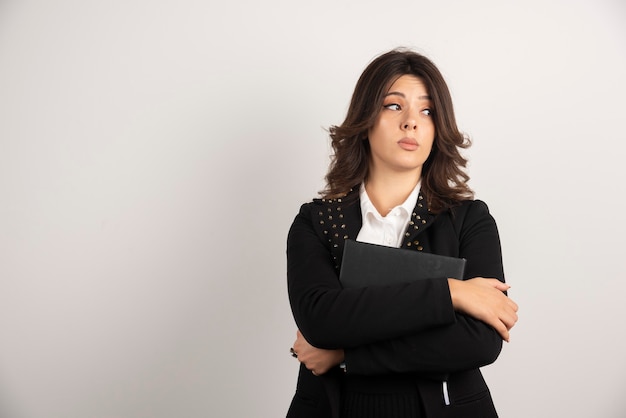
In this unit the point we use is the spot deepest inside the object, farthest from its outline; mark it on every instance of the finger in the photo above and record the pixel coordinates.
(502, 330)
(498, 325)
(509, 319)
(501, 286)
(508, 322)
(506, 336)
(300, 339)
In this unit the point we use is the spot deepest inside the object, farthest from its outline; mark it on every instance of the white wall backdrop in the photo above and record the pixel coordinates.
(154, 153)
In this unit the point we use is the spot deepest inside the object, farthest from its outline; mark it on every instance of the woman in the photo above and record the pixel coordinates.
(397, 179)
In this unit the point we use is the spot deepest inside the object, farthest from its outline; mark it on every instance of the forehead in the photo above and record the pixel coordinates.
(408, 83)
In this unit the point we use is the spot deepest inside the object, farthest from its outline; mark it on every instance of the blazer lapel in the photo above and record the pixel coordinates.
(338, 220)
(421, 220)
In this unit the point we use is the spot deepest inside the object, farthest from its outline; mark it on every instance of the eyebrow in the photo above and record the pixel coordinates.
(397, 93)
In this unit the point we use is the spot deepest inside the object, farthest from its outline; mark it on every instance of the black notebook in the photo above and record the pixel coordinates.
(366, 264)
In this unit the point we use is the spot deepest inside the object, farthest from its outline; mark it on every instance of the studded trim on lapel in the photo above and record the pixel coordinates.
(336, 221)
(421, 219)
(340, 219)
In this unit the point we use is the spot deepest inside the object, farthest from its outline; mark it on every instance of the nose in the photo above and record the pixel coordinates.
(410, 122)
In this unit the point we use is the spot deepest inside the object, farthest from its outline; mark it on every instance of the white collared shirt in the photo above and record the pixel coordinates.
(385, 230)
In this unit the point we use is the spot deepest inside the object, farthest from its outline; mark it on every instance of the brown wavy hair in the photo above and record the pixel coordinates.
(444, 180)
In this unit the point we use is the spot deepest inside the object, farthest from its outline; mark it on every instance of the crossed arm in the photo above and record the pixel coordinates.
(479, 298)
(435, 325)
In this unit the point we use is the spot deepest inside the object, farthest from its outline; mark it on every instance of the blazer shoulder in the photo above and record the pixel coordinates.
(469, 212)
(319, 207)
(307, 207)
(469, 208)
(317, 203)
(310, 212)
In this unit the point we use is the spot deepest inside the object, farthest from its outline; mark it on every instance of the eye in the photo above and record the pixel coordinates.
(427, 112)
(392, 106)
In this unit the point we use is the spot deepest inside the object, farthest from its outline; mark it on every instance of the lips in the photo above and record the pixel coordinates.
(409, 144)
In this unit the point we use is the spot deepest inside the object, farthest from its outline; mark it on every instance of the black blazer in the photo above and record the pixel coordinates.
(400, 330)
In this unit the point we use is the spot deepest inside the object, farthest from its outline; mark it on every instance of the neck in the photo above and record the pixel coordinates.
(390, 190)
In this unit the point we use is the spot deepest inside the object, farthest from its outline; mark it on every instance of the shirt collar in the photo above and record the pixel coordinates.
(407, 206)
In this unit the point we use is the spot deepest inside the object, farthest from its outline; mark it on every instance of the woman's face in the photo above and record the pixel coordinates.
(403, 134)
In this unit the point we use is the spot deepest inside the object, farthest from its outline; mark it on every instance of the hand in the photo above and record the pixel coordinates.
(484, 299)
(318, 360)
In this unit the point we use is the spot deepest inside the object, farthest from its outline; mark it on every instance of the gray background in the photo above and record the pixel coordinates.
(154, 153)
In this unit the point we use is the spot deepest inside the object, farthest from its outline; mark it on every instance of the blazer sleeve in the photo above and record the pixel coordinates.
(331, 317)
(467, 343)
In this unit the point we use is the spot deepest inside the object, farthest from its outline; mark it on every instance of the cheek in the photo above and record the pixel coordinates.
(376, 132)
(430, 141)
(429, 134)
